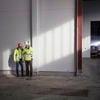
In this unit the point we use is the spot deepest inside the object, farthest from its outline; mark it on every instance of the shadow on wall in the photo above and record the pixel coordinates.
(63, 64)
(11, 62)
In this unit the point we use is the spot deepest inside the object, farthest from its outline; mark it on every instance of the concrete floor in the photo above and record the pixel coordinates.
(49, 87)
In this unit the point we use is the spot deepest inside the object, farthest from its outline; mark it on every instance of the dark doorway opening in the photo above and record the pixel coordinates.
(95, 39)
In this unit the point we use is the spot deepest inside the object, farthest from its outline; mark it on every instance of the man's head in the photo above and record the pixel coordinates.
(27, 44)
(19, 45)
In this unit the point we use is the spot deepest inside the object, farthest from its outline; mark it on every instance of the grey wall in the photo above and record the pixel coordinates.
(14, 28)
(91, 68)
(91, 12)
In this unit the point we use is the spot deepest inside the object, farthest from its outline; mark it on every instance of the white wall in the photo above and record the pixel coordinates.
(53, 32)
(14, 27)
(53, 35)
(91, 12)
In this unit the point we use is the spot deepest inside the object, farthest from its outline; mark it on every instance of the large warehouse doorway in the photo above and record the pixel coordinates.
(53, 40)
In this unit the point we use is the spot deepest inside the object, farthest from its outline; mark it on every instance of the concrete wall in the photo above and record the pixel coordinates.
(53, 35)
(91, 12)
(14, 27)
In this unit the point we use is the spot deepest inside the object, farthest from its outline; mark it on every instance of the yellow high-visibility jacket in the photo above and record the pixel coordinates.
(28, 53)
(18, 54)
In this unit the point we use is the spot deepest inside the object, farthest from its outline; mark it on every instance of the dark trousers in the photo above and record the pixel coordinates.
(20, 63)
(28, 68)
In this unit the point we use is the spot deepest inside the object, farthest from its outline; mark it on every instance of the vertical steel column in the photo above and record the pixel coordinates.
(75, 39)
(79, 33)
(78, 37)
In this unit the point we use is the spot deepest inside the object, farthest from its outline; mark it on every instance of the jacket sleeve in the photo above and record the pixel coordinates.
(31, 50)
(23, 54)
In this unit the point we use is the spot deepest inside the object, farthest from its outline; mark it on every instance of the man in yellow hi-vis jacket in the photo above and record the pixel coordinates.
(28, 50)
(18, 59)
